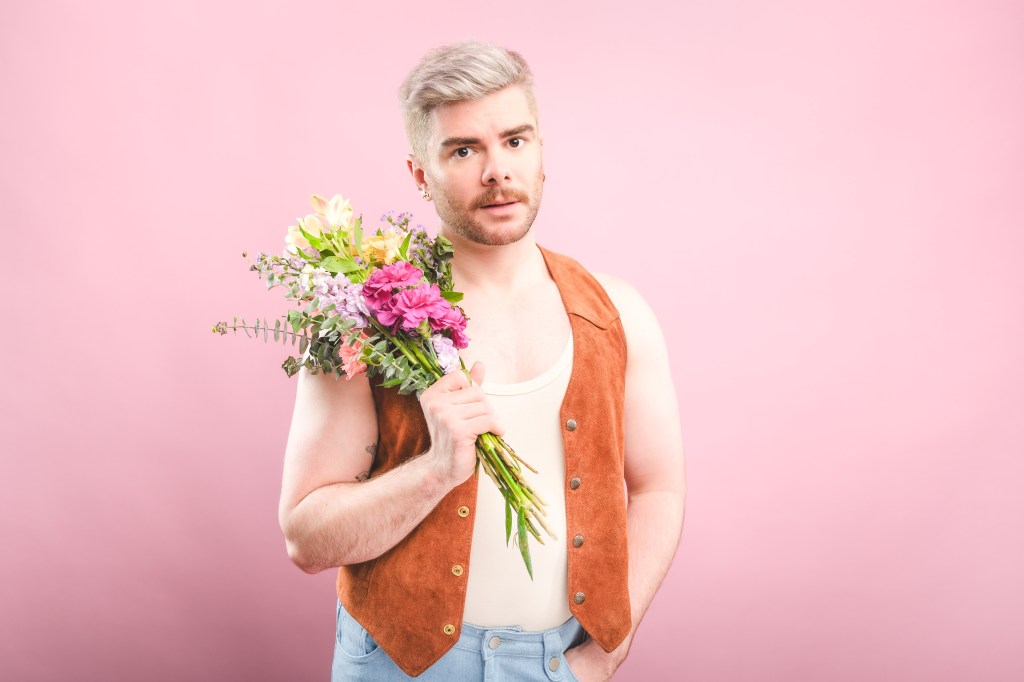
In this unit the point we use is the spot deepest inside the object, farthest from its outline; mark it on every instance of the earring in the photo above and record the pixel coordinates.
(425, 193)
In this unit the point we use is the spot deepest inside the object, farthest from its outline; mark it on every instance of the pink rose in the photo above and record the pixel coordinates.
(420, 303)
(379, 287)
(455, 322)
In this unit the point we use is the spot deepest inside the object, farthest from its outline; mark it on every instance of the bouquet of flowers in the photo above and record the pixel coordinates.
(383, 303)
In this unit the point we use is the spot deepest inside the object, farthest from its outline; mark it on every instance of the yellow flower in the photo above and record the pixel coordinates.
(383, 248)
(337, 211)
(294, 239)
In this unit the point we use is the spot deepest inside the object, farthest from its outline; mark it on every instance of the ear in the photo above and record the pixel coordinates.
(416, 171)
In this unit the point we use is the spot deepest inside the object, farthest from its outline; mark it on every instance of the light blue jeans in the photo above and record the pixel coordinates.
(502, 654)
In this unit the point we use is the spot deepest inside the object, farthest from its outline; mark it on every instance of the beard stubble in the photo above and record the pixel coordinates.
(459, 220)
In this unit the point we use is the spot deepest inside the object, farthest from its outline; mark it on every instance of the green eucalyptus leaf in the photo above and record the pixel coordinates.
(452, 296)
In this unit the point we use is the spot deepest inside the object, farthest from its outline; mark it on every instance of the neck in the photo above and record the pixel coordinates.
(483, 268)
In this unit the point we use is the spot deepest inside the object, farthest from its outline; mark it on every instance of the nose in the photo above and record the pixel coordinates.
(496, 170)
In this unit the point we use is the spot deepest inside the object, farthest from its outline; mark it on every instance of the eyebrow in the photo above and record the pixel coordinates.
(466, 141)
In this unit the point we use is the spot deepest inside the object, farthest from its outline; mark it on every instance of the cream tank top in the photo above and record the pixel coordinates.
(499, 591)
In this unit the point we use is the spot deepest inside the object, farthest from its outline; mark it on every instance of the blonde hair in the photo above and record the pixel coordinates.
(456, 73)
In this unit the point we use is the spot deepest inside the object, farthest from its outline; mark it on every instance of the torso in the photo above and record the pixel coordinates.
(517, 337)
(522, 335)
(499, 591)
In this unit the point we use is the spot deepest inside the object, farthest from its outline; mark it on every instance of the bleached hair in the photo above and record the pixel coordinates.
(456, 73)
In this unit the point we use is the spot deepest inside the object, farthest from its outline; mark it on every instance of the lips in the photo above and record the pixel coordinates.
(500, 203)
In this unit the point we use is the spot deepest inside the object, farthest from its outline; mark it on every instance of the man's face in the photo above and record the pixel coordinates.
(485, 169)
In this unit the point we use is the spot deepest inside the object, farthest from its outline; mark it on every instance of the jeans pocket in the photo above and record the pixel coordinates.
(568, 670)
(352, 638)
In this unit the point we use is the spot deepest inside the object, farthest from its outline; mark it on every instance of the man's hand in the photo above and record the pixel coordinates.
(590, 663)
(456, 412)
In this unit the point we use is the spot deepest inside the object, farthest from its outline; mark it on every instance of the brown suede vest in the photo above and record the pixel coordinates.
(410, 599)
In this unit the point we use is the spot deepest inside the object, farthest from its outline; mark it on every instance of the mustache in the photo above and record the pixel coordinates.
(491, 196)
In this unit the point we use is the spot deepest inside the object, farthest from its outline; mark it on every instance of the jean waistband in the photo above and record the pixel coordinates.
(513, 641)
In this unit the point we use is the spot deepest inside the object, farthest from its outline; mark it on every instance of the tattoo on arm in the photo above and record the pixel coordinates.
(372, 450)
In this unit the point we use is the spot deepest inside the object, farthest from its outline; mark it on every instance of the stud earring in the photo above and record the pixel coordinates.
(425, 193)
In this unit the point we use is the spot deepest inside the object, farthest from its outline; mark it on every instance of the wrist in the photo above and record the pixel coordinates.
(608, 661)
(436, 473)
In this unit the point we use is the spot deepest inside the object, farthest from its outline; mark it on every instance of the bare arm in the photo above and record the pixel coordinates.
(330, 514)
(653, 468)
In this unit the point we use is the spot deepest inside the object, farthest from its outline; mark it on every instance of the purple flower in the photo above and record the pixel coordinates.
(346, 296)
(447, 354)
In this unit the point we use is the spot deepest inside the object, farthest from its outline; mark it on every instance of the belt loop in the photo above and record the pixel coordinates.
(553, 650)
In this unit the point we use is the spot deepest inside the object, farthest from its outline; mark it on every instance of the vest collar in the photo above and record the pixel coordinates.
(586, 303)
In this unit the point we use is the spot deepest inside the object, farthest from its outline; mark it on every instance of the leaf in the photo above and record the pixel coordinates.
(295, 319)
(277, 330)
(452, 296)
(403, 250)
(303, 344)
(313, 241)
(337, 264)
(524, 547)
(357, 235)
(391, 382)
(508, 520)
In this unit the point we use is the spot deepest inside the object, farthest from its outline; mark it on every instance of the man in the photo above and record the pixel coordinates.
(577, 380)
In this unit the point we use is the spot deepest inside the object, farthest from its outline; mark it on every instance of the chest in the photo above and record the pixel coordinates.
(517, 337)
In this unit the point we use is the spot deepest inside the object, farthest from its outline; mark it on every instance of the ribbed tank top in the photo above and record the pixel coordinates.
(499, 591)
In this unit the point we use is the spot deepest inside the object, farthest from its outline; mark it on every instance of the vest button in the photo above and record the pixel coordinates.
(449, 629)
(571, 425)
(577, 541)
(554, 664)
(574, 482)
(463, 511)
(457, 570)
(494, 642)
(579, 597)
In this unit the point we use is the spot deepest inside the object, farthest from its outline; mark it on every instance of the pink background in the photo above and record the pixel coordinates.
(822, 202)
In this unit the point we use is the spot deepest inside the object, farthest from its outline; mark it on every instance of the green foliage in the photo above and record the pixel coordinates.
(336, 264)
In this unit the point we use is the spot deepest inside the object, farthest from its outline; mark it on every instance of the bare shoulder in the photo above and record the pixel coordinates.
(638, 319)
(333, 435)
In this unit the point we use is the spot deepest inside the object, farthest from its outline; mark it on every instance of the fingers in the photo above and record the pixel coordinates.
(476, 372)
